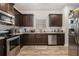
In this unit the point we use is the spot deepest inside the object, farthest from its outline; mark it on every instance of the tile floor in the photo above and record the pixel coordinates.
(43, 51)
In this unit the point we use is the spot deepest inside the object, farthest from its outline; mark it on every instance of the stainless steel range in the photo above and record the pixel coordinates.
(13, 45)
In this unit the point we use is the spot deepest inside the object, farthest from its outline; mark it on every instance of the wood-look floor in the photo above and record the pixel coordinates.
(44, 51)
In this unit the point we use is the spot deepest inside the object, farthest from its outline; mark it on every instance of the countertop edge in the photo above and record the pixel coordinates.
(38, 33)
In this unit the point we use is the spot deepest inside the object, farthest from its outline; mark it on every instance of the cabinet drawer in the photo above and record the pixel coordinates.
(40, 35)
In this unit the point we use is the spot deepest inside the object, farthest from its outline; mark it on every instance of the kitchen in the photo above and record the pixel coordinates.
(35, 28)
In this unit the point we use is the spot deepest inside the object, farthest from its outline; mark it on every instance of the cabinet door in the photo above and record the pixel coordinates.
(28, 39)
(10, 9)
(55, 20)
(20, 20)
(1, 47)
(28, 20)
(7, 7)
(41, 39)
(21, 41)
(4, 7)
(25, 20)
(60, 39)
(17, 18)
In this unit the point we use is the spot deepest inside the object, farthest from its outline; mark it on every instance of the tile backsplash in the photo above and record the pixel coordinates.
(50, 29)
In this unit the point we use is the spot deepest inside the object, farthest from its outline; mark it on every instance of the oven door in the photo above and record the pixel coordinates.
(13, 46)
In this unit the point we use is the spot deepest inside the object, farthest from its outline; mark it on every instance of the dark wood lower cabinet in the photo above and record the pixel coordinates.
(2, 47)
(34, 39)
(29, 39)
(60, 39)
(21, 41)
(40, 39)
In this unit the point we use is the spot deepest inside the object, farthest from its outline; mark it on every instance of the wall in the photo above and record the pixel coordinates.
(42, 15)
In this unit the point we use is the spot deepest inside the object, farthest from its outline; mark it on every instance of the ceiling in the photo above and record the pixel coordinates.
(42, 6)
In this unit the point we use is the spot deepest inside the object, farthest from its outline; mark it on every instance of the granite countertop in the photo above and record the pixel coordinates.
(49, 33)
(2, 38)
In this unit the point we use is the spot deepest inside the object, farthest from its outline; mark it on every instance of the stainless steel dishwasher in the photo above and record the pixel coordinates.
(52, 40)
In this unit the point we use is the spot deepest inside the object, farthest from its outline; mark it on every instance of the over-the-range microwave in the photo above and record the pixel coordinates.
(5, 17)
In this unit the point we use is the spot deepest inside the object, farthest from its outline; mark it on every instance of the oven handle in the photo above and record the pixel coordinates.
(13, 38)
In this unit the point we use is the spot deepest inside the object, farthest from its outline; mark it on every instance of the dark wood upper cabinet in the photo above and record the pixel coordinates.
(4, 7)
(55, 20)
(28, 20)
(10, 8)
(7, 7)
(18, 18)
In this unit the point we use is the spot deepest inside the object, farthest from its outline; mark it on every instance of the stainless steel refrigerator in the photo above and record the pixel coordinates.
(73, 47)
